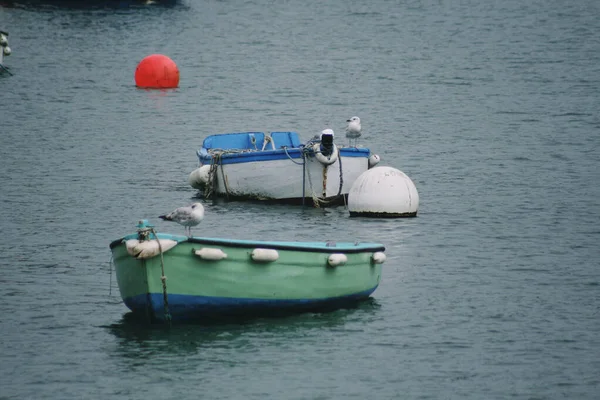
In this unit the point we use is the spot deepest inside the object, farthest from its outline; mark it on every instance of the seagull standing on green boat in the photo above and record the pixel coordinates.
(188, 216)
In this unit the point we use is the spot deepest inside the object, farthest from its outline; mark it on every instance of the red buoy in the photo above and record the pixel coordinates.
(157, 71)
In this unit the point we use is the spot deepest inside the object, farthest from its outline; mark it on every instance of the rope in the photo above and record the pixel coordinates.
(303, 178)
(314, 196)
(110, 262)
(265, 143)
(334, 198)
(216, 162)
(212, 183)
(341, 172)
(224, 181)
(229, 151)
(318, 201)
(267, 140)
(163, 278)
(290, 157)
(6, 69)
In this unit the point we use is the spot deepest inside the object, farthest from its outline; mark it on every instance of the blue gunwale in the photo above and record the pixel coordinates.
(272, 155)
(322, 247)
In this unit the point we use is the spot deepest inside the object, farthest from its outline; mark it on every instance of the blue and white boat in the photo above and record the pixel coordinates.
(278, 167)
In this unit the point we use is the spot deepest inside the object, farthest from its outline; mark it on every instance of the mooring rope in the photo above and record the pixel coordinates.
(314, 196)
(110, 262)
(290, 157)
(341, 173)
(6, 69)
(317, 201)
(163, 278)
(211, 184)
(216, 162)
(224, 181)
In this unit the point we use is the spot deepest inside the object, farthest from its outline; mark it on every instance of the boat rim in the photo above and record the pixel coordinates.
(322, 247)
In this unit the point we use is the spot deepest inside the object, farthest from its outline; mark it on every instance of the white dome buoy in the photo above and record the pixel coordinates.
(199, 177)
(383, 192)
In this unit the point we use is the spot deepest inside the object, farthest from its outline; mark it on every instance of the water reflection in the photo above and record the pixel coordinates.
(137, 339)
(296, 223)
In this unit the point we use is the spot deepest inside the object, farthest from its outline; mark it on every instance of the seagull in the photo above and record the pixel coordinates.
(353, 129)
(187, 216)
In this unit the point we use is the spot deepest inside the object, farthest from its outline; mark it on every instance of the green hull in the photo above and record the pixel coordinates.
(194, 286)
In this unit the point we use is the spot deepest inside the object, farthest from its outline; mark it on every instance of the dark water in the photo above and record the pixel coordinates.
(492, 292)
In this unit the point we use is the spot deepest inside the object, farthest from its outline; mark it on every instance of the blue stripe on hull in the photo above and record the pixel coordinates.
(273, 155)
(188, 307)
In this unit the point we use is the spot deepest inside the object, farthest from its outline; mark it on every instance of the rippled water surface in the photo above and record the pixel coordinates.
(491, 108)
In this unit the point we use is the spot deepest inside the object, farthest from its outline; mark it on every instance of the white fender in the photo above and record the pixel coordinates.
(337, 259)
(378, 257)
(206, 253)
(323, 159)
(199, 177)
(374, 160)
(148, 248)
(264, 255)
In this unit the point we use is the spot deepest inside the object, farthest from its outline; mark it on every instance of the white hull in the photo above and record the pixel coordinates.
(282, 179)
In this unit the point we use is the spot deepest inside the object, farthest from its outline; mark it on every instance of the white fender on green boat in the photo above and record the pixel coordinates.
(264, 255)
(206, 253)
(378, 257)
(148, 248)
(336, 259)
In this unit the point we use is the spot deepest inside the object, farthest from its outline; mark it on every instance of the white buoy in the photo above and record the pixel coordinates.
(264, 255)
(337, 259)
(374, 160)
(4, 49)
(210, 254)
(199, 177)
(383, 192)
(148, 248)
(378, 257)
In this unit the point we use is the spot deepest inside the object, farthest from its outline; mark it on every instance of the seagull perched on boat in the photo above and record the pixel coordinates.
(353, 130)
(187, 216)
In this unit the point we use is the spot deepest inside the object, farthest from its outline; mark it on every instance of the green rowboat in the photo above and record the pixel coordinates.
(168, 277)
